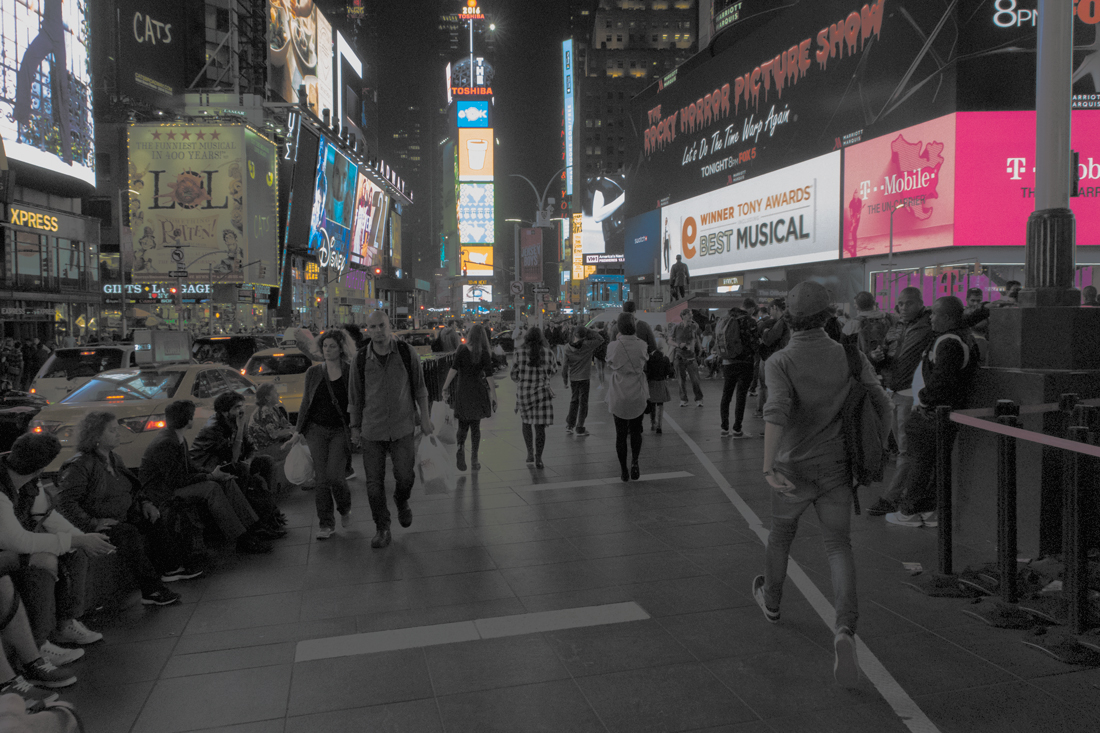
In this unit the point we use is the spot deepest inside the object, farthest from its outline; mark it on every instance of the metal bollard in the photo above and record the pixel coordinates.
(1075, 581)
(1006, 510)
(944, 439)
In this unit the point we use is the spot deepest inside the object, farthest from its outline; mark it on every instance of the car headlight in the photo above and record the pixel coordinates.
(144, 424)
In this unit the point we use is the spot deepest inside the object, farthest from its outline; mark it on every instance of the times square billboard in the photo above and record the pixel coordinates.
(45, 75)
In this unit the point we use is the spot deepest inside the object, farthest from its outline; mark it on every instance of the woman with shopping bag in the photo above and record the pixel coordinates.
(474, 391)
(323, 425)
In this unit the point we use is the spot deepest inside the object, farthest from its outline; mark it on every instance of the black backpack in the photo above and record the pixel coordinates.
(863, 428)
(744, 346)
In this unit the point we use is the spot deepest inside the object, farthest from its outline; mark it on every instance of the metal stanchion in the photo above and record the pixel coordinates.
(1006, 509)
(944, 436)
(1075, 583)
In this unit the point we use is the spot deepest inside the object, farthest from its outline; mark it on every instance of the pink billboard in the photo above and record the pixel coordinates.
(995, 180)
(909, 175)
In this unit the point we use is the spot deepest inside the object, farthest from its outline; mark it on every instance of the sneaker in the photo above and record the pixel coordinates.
(42, 673)
(404, 514)
(568, 430)
(699, 403)
(752, 393)
(725, 432)
(345, 519)
(74, 632)
(183, 572)
(59, 656)
(658, 431)
(737, 434)
(683, 403)
(325, 532)
(904, 520)
(161, 597)
(583, 432)
(382, 539)
(758, 594)
(930, 519)
(846, 665)
(881, 507)
(35, 698)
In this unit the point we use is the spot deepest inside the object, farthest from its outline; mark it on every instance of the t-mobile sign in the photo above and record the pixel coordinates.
(995, 178)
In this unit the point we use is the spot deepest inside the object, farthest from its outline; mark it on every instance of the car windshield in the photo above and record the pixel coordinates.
(231, 350)
(127, 387)
(70, 363)
(417, 339)
(272, 365)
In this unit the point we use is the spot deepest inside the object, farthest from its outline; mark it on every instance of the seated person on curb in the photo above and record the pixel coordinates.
(99, 494)
(942, 378)
(45, 557)
(222, 443)
(167, 473)
(269, 428)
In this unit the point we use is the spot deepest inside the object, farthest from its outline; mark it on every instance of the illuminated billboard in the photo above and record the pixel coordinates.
(151, 53)
(603, 222)
(567, 85)
(477, 260)
(202, 196)
(477, 294)
(368, 214)
(475, 155)
(473, 114)
(299, 52)
(475, 213)
(333, 207)
(45, 75)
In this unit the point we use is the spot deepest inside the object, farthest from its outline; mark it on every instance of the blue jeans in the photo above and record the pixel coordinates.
(403, 453)
(686, 368)
(736, 379)
(329, 449)
(578, 404)
(827, 485)
(903, 405)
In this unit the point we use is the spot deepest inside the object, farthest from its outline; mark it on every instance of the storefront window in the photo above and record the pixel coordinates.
(28, 259)
(70, 262)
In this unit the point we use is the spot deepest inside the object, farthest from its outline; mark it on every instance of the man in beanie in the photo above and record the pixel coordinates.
(805, 461)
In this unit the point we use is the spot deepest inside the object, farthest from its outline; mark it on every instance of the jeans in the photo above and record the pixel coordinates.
(903, 406)
(827, 485)
(52, 588)
(403, 453)
(686, 368)
(231, 510)
(329, 449)
(919, 490)
(633, 427)
(736, 375)
(578, 404)
(132, 551)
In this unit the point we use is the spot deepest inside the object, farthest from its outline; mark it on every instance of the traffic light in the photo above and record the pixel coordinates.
(177, 296)
(377, 272)
(263, 270)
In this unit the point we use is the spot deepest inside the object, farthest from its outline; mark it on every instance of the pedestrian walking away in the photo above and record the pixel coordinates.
(470, 379)
(388, 397)
(578, 376)
(324, 425)
(736, 339)
(531, 371)
(806, 463)
(627, 393)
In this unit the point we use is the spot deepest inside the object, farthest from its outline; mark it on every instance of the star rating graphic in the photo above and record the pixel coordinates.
(156, 136)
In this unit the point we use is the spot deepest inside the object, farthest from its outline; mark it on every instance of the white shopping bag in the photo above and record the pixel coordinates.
(435, 466)
(445, 423)
(299, 464)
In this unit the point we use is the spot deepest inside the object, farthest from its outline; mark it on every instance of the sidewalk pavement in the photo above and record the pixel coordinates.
(565, 600)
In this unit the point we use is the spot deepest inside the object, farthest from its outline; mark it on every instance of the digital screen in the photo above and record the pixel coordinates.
(45, 75)
(473, 114)
(642, 244)
(299, 52)
(261, 184)
(477, 260)
(303, 181)
(477, 293)
(569, 111)
(368, 215)
(475, 213)
(603, 218)
(333, 207)
(475, 155)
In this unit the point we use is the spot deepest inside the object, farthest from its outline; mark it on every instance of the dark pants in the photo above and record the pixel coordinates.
(473, 427)
(52, 588)
(403, 453)
(578, 404)
(737, 376)
(329, 449)
(633, 428)
(919, 494)
(132, 551)
(539, 439)
(229, 507)
(676, 292)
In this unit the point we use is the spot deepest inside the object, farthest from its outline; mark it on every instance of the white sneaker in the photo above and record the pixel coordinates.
(929, 519)
(699, 403)
(325, 532)
(59, 656)
(846, 665)
(683, 403)
(74, 632)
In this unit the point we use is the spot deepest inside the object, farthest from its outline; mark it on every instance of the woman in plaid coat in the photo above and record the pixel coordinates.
(531, 371)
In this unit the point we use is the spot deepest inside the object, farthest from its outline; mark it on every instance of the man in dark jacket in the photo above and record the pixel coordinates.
(167, 473)
(942, 378)
(906, 341)
(578, 371)
(737, 363)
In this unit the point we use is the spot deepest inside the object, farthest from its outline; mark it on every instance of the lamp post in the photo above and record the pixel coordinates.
(542, 218)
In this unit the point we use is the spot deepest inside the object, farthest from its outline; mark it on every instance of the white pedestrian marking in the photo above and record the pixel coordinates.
(599, 481)
(903, 705)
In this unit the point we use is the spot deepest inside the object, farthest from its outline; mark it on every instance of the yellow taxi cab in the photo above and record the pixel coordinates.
(419, 338)
(69, 368)
(138, 396)
(286, 369)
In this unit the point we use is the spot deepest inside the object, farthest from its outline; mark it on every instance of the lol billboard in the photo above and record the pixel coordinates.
(203, 201)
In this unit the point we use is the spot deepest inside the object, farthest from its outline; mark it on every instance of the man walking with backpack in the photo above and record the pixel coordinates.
(736, 341)
(806, 462)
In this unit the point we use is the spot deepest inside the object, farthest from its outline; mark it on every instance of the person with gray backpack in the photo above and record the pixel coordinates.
(736, 340)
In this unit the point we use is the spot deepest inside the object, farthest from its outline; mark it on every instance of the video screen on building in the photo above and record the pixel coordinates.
(475, 213)
(299, 52)
(368, 205)
(45, 75)
(477, 294)
(303, 181)
(472, 114)
(476, 260)
(333, 207)
(475, 155)
(604, 214)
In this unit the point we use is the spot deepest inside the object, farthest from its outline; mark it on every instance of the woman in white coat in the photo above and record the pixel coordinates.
(627, 391)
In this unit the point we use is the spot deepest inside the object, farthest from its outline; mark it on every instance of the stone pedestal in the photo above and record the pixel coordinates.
(1049, 339)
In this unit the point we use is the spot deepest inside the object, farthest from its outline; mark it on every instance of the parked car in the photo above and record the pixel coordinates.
(17, 409)
(70, 368)
(286, 369)
(138, 397)
(420, 339)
